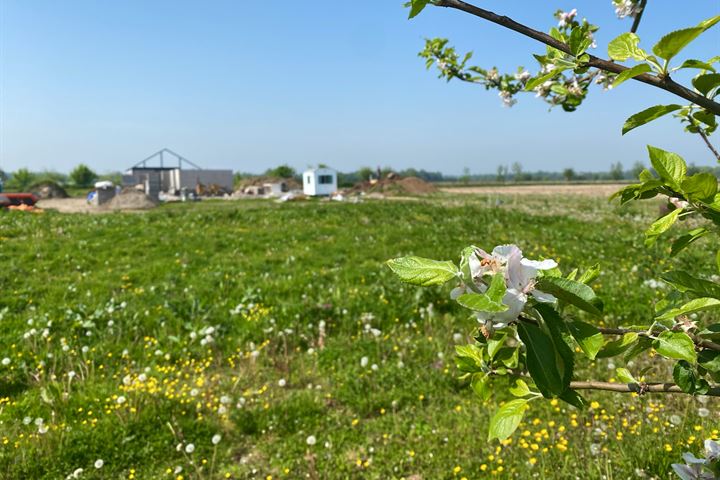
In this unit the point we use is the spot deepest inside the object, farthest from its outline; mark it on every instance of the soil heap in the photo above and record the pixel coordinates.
(131, 199)
(394, 185)
(46, 190)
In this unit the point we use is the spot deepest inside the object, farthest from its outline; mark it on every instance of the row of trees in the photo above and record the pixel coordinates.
(503, 174)
(81, 176)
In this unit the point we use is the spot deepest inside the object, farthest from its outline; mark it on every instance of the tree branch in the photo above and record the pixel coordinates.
(709, 145)
(639, 388)
(664, 83)
(636, 22)
(700, 342)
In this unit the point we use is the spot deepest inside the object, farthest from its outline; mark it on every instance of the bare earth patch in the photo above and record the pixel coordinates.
(588, 190)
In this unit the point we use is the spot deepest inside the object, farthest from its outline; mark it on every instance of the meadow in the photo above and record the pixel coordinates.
(256, 340)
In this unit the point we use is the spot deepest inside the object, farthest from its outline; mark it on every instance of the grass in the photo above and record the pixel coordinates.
(277, 327)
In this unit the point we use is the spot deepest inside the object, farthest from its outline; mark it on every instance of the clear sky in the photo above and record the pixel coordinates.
(248, 85)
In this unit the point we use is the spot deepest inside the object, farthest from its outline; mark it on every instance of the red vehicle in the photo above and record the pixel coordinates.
(16, 199)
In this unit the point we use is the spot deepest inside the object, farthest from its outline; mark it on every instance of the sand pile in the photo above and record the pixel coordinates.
(49, 190)
(131, 199)
(395, 185)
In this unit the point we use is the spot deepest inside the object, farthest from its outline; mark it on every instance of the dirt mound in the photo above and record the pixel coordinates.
(131, 199)
(395, 185)
(49, 190)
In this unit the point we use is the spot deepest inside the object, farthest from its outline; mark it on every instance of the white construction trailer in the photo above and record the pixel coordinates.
(321, 181)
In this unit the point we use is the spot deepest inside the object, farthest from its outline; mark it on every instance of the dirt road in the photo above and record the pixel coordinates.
(588, 190)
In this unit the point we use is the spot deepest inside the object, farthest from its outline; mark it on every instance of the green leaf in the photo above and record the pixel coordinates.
(709, 360)
(558, 333)
(684, 376)
(686, 283)
(660, 226)
(672, 43)
(520, 389)
(684, 241)
(631, 73)
(670, 166)
(590, 274)
(506, 419)
(579, 41)
(573, 398)
(695, 305)
(497, 288)
(705, 83)
(648, 115)
(626, 46)
(691, 63)
(624, 375)
(643, 343)
(422, 271)
(493, 345)
(534, 82)
(541, 360)
(616, 347)
(480, 385)
(469, 358)
(677, 345)
(572, 292)
(417, 6)
(509, 356)
(480, 302)
(588, 337)
(701, 186)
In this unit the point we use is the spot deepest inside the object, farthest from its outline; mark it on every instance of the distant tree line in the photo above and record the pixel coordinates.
(83, 176)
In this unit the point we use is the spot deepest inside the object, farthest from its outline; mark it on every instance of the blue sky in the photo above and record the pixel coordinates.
(250, 85)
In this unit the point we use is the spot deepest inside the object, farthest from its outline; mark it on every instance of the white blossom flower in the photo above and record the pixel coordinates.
(216, 439)
(6, 361)
(523, 76)
(703, 412)
(282, 383)
(566, 18)
(311, 440)
(520, 278)
(626, 8)
(120, 400)
(99, 463)
(364, 362)
(189, 448)
(507, 98)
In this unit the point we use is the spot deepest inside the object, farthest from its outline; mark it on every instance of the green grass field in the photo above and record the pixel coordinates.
(140, 340)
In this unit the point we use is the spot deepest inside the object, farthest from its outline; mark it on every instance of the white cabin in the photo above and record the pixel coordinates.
(319, 181)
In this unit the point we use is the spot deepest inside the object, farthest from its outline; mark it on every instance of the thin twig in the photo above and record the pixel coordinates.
(664, 82)
(636, 22)
(639, 388)
(699, 342)
(709, 145)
